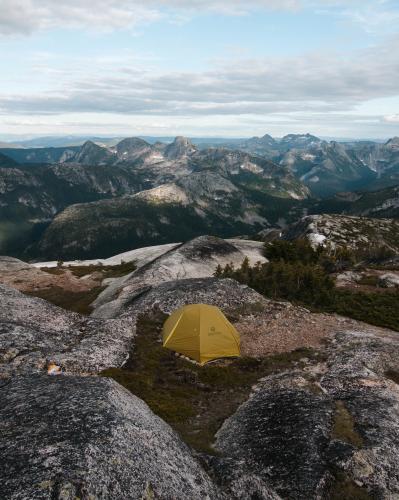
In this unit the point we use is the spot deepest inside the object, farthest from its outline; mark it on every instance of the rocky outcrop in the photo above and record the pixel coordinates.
(357, 233)
(327, 430)
(197, 258)
(389, 280)
(140, 257)
(35, 333)
(85, 437)
(227, 294)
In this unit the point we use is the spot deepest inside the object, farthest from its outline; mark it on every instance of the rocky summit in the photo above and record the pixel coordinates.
(197, 258)
(358, 233)
(325, 426)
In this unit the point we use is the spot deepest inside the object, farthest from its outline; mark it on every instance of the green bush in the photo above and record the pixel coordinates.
(293, 251)
(295, 281)
(301, 275)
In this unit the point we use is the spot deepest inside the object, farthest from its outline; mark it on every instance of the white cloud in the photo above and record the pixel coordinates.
(310, 90)
(392, 118)
(312, 83)
(28, 16)
(373, 16)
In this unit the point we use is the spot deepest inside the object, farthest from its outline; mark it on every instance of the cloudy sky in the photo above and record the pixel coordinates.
(199, 67)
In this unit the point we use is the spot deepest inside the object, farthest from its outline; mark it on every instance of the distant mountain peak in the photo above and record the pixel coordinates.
(300, 137)
(132, 142)
(180, 147)
(90, 145)
(92, 153)
(394, 141)
(131, 148)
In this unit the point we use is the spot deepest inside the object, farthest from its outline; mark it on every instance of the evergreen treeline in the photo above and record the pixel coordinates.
(301, 274)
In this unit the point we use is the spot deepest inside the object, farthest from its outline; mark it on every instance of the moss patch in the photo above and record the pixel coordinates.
(57, 271)
(72, 301)
(393, 375)
(194, 400)
(114, 271)
(344, 488)
(343, 427)
(369, 280)
(380, 309)
(80, 302)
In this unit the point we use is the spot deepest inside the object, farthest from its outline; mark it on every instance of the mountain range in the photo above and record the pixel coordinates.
(90, 200)
(236, 188)
(324, 167)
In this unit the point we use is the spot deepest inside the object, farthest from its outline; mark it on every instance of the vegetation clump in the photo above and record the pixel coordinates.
(344, 426)
(304, 275)
(79, 302)
(344, 487)
(107, 271)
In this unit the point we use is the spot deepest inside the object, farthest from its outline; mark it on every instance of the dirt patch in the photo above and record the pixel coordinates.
(344, 488)
(72, 288)
(30, 279)
(283, 327)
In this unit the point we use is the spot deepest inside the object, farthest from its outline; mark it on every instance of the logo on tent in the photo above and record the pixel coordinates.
(213, 331)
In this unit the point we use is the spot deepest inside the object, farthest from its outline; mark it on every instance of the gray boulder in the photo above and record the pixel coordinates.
(223, 293)
(87, 437)
(324, 431)
(34, 333)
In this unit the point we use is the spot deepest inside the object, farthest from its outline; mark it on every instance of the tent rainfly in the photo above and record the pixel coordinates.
(201, 332)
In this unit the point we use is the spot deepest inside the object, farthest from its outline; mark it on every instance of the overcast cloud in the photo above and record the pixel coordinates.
(314, 82)
(28, 16)
(316, 85)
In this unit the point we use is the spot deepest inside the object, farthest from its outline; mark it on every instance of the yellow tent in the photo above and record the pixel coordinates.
(201, 332)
